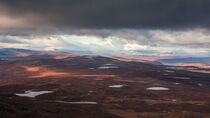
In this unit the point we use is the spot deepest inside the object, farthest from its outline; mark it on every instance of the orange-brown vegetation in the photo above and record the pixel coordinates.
(186, 68)
(196, 65)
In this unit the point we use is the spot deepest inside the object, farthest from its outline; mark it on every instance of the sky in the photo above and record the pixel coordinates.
(137, 27)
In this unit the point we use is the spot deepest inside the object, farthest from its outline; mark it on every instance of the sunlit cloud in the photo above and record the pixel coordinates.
(146, 42)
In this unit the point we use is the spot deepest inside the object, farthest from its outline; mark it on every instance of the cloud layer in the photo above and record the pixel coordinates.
(61, 15)
(149, 27)
(144, 42)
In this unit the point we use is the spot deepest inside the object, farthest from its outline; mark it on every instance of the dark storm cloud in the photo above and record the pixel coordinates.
(111, 13)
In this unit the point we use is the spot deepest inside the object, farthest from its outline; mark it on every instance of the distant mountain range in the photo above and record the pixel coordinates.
(14, 53)
(201, 60)
(11, 52)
